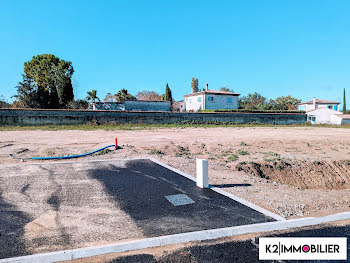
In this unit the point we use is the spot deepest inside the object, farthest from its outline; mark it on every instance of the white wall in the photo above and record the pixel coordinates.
(339, 120)
(336, 119)
(194, 103)
(308, 107)
(323, 115)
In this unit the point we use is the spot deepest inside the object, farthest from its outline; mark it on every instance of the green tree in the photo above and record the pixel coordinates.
(168, 96)
(27, 94)
(148, 95)
(47, 82)
(285, 103)
(92, 96)
(4, 103)
(77, 104)
(194, 85)
(123, 95)
(252, 101)
(224, 89)
(344, 102)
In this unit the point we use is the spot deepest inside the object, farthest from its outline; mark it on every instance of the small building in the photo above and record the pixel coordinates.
(211, 100)
(321, 111)
(179, 106)
(321, 115)
(317, 103)
(132, 105)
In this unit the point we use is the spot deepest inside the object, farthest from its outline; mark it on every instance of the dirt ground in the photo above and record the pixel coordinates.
(293, 172)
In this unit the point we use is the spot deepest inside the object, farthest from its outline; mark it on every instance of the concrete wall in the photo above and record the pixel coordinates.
(345, 121)
(40, 117)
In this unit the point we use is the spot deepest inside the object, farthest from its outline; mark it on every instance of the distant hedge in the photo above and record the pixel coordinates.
(255, 111)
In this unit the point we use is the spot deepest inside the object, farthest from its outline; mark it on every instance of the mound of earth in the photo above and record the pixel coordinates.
(302, 174)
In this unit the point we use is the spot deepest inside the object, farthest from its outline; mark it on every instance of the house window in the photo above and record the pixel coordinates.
(229, 100)
(190, 100)
(311, 118)
(210, 98)
(330, 107)
(199, 99)
(335, 107)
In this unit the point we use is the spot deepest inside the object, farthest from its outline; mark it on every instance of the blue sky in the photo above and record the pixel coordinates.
(276, 48)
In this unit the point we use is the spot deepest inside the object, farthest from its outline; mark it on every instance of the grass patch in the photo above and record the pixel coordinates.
(272, 157)
(232, 158)
(182, 151)
(103, 152)
(51, 153)
(180, 125)
(242, 152)
(156, 152)
(243, 143)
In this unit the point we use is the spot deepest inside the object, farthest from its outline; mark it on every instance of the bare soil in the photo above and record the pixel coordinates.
(293, 172)
(302, 174)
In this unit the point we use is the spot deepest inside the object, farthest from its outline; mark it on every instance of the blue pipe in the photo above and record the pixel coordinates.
(71, 156)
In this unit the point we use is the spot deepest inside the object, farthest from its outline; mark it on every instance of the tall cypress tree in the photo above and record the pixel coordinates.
(168, 96)
(344, 102)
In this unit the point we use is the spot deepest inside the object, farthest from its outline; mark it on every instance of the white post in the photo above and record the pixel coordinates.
(202, 173)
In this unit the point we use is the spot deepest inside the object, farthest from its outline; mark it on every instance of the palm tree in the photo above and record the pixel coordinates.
(123, 95)
(92, 96)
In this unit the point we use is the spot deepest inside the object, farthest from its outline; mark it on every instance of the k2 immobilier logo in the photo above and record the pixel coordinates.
(303, 248)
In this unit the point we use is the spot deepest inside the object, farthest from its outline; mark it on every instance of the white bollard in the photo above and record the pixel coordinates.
(202, 173)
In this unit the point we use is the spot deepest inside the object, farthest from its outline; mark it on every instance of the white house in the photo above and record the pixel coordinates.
(317, 103)
(211, 100)
(321, 111)
(321, 115)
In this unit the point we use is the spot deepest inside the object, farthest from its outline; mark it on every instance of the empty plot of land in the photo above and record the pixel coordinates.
(308, 164)
(54, 206)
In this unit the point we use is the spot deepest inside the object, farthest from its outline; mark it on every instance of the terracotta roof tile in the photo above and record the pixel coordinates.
(216, 92)
(320, 102)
